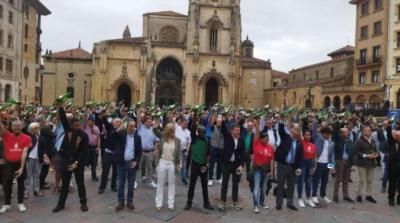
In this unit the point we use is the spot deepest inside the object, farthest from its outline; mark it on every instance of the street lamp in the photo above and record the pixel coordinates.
(41, 72)
(84, 92)
(285, 90)
(309, 104)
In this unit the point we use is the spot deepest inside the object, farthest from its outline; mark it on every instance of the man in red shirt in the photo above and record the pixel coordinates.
(16, 145)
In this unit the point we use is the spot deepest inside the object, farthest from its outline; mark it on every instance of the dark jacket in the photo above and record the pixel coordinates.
(362, 147)
(283, 149)
(46, 141)
(339, 149)
(119, 149)
(393, 153)
(229, 147)
(72, 151)
(40, 150)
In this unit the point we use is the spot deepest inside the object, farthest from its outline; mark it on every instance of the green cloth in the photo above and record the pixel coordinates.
(199, 152)
(247, 142)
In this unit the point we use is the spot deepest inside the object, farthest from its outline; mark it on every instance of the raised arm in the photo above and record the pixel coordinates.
(63, 118)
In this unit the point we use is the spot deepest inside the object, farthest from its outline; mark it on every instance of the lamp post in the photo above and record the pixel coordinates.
(41, 72)
(309, 105)
(285, 90)
(84, 92)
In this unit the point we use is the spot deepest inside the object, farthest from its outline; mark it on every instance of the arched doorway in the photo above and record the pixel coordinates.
(337, 102)
(375, 102)
(169, 82)
(7, 92)
(211, 92)
(308, 103)
(327, 102)
(124, 94)
(346, 101)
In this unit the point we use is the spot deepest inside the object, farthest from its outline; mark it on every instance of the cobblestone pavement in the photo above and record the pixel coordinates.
(101, 208)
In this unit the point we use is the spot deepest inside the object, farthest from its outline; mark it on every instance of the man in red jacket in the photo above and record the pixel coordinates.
(16, 146)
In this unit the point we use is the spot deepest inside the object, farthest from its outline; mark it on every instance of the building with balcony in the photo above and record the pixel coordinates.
(370, 52)
(393, 61)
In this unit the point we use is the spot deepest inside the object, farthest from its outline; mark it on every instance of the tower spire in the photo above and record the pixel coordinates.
(127, 33)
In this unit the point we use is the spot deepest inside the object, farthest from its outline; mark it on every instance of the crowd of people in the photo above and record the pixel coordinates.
(295, 150)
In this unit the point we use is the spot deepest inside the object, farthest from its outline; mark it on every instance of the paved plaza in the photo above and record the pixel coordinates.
(101, 208)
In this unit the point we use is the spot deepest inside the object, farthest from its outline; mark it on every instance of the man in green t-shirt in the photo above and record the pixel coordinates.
(198, 153)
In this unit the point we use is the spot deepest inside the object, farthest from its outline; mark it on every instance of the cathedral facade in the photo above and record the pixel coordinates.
(198, 58)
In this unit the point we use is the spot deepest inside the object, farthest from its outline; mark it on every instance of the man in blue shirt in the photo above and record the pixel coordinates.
(127, 155)
(148, 145)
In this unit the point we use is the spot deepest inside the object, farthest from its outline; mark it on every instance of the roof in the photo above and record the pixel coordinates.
(41, 9)
(248, 42)
(166, 13)
(322, 63)
(77, 53)
(279, 74)
(252, 62)
(133, 40)
(356, 1)
(343, 50)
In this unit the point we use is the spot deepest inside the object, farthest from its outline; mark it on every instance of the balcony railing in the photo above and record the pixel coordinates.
(372, 61)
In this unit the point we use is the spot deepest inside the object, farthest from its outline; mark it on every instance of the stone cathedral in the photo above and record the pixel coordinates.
(198, 58)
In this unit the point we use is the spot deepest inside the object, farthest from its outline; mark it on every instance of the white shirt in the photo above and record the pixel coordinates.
(184, 136)
(323, 158)
(272, 141)
(233, 154)
(34, 152)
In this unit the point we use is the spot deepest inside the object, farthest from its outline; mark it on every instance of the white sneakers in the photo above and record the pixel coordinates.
(310, 203)
(315, 200)
(135, 185)
(210, 183)
(256, 210)
(301, 203)
(153, 185)
(5, 208)
(21, 208)
(327, 200)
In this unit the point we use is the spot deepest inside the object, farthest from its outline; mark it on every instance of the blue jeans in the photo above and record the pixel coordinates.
(184, 171)
(321, 175)
(305, 179)
(260, 180)
(124, 172)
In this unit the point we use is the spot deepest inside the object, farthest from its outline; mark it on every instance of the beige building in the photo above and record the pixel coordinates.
(67, 71)
(10, 48)
(186, 59)
(20, 49)
(320, 85)
(31, 47)
(370, 51)
(393, 61)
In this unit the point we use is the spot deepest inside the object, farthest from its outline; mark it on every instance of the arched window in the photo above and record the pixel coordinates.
(214, 38)
(70, 90)
(7, 92)
(169, 34)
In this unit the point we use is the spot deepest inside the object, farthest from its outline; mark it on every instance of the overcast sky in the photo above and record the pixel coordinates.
(291, 33)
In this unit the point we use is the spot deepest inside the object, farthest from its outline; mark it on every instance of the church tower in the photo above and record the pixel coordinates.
(213, 50)
(214, 27)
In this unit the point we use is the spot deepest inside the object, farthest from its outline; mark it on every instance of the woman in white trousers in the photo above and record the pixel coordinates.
(168, 160)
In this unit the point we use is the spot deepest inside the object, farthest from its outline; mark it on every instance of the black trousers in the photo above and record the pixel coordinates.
(8, 177)
(66, 179)
(286, 175)
(229, 169)
(92, 159)
(394, 180)
(247, 157)
(195, 172)
(43, 174)
(107, 163)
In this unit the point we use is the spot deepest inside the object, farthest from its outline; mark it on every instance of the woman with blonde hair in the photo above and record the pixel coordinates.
(168, 160)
